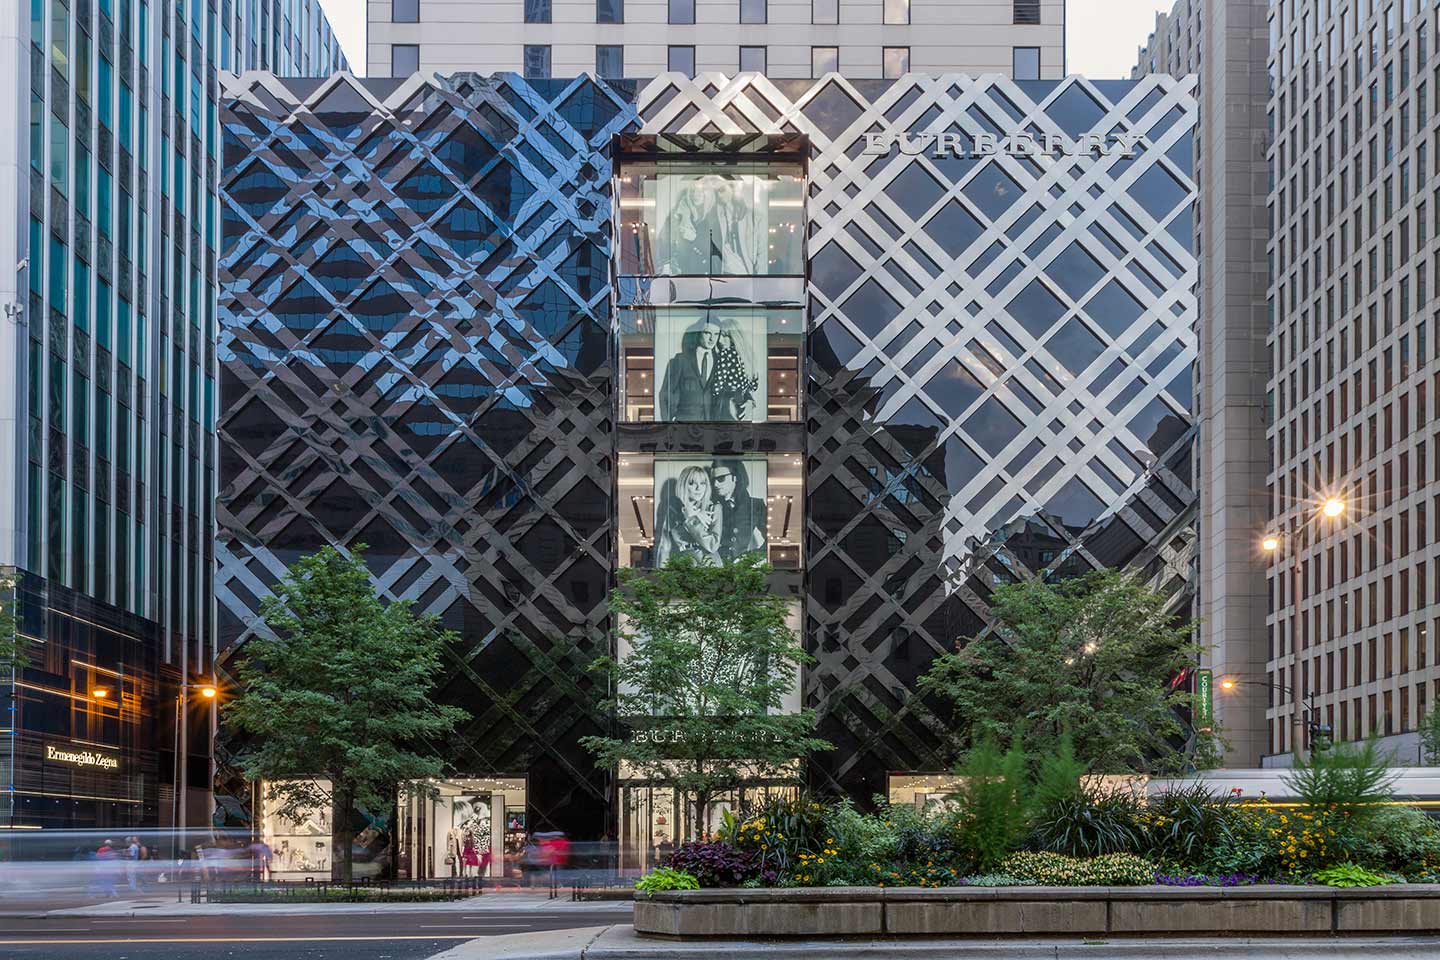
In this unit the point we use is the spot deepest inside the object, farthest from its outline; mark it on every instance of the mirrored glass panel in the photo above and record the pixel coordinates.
(711, 219)
(710, 365)
(710, 507)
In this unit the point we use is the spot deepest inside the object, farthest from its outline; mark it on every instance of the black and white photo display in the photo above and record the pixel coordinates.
(710, 366)
(711, 219)
(712, 509)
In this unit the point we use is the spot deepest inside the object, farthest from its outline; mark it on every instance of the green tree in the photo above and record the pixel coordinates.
(340, 692)
(704, 661)
(1092, 655)
(1430, 738)
(12, 644)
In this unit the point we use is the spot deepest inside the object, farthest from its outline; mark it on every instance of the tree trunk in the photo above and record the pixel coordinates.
(702, 806)
(344, 833)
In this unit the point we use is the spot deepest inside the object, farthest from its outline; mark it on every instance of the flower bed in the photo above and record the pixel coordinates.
(1007, 830)
(873, 912)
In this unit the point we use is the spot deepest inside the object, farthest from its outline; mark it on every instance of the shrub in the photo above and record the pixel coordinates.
(777, 830)
(715, 863)
(1088, 824)
(1303, 841)
(1182, 826)
(991, 880)
(1354, 781)
(1350, 875)
(1247, 849)
(1057, 870)
(666, 878)
(1401, 839)
(995, 804)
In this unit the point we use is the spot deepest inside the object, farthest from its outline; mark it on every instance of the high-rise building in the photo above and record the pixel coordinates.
(108, 191)
(1353, 392)
(1343, 366)
(1223, 43)
(1022, 39)
(912, 338)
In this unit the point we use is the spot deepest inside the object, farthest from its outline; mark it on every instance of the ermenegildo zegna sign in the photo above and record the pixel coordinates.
(81, 757)
(988, 144)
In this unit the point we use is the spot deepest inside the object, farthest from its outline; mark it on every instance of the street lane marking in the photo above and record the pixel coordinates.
(316, 939)
(140, 920)
(466, 926)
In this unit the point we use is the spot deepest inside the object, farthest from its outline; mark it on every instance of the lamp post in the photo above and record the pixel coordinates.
(1332, 508)
(207, 691)
(1318, 731)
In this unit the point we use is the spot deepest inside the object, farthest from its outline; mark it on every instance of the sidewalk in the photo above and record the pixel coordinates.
(621, 943)
(489, 902)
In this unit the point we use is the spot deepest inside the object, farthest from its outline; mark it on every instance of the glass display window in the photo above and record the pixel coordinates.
(655, 819)
(702, 218)
(301, 848)
(710, 365)
(462, 827)
(923, 791)
(710, 507)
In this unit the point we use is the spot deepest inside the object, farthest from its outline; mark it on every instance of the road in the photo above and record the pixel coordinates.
(350, 936)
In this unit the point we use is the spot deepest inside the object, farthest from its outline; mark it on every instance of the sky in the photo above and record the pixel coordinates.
(1103, 36)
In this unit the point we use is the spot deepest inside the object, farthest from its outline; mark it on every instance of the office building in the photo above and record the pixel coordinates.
(1351, 396)
(861, 39)
(109, 172)
(1222, 44)
(463, 319)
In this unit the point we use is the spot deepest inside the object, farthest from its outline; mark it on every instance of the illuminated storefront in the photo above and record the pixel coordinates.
(911, 338)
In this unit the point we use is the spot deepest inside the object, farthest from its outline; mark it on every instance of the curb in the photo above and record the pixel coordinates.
(622, 943)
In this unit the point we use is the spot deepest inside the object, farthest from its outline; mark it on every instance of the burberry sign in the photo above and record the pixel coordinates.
(989, 144)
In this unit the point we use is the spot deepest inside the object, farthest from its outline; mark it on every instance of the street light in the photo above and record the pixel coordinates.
(182, 757)
(1320, 733)
(100, 693)
(1332, 508)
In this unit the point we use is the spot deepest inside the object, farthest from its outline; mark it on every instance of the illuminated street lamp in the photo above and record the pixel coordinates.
(100, 693)
(1320, 733)
(1331, 509)
(207, 691)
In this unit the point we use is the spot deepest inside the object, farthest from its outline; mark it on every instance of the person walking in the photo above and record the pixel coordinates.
(132, 863)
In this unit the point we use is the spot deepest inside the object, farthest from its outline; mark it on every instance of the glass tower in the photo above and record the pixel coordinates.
(107, 415)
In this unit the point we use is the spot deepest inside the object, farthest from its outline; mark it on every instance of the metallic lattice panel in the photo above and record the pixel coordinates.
(416, 351)
(414, 342)
(999, 364)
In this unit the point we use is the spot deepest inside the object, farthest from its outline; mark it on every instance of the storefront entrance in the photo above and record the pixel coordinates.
(654, 819)
(463, 827)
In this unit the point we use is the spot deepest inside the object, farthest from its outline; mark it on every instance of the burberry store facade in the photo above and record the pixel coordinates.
(912, 338)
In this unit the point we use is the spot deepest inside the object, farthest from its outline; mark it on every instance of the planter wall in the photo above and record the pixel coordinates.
(1039, 911)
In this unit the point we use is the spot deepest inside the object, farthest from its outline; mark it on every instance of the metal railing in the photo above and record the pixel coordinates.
(231, 890)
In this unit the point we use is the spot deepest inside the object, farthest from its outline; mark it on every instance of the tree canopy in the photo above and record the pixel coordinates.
(340, 691)
(705, 660)
(1093, 655)
(12, 644)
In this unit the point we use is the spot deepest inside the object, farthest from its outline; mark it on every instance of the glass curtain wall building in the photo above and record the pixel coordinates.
(107, 409)
(913, 338)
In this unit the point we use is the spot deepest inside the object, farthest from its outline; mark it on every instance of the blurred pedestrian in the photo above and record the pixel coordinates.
(261, 853)
(107, 857)
(132, 863)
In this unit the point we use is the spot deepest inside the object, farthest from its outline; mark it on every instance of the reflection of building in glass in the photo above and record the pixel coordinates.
(994, 352)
